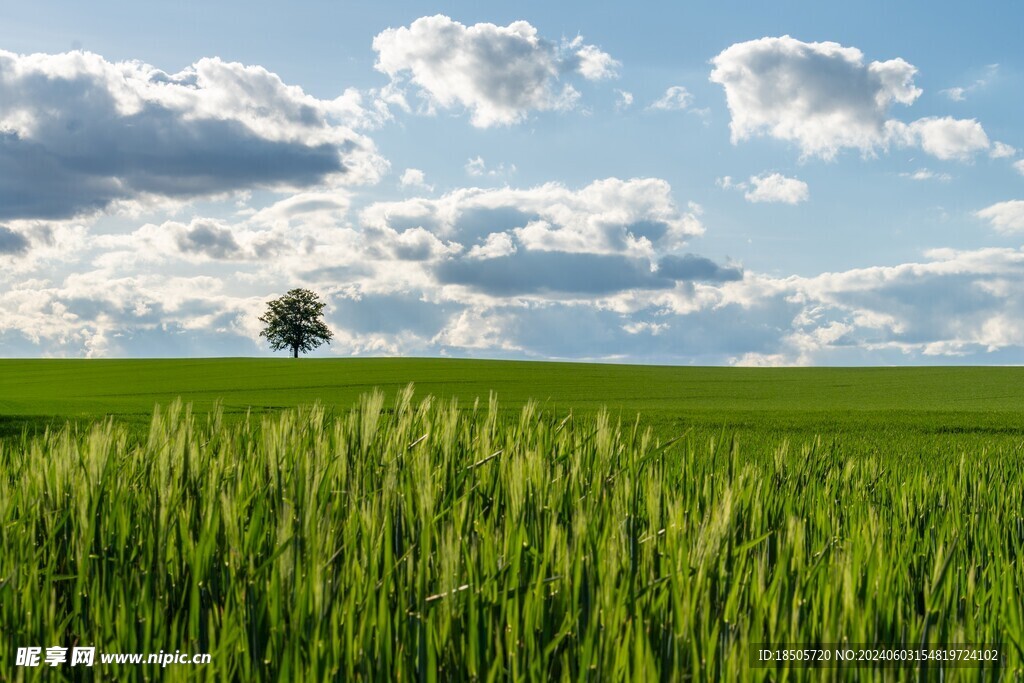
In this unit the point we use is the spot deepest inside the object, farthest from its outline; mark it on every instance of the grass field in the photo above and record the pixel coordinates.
(870, 406)
(382, 537)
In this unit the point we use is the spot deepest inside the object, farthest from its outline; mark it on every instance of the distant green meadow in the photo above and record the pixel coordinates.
(919, 408)
(323, 519)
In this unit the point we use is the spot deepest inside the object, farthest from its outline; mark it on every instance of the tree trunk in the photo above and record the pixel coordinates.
(295, 352)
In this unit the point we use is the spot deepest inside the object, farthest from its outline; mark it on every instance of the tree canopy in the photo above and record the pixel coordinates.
(295, 321)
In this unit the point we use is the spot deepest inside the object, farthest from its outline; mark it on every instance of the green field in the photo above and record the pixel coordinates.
(385, 536)
(871, 406)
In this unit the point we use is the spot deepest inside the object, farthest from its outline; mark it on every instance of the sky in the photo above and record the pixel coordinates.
(705, 183)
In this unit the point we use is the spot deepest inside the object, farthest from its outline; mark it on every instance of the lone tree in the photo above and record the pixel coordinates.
(295, 321)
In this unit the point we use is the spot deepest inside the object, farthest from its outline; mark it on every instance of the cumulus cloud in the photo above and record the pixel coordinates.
(305, 215)
(549, 272)
(207, 238)
(768, 187)
(944, 138)
(196, 241)
(775, 187)
(821, 96)
(636, 216)
(476, 328)
(496, 244)
(1019, 165)
(414, 177)
(1001, 150)
(623, 99)
(676, 98)
(78, 132)
(825, 98)
(1005, 217)
(92, 314)
(499, 73)
(416, 244)
(955, 302)
(553, 242)
(590, 61)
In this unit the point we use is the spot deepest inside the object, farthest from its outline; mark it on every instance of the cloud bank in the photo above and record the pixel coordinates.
(79, 133)
(601, 270)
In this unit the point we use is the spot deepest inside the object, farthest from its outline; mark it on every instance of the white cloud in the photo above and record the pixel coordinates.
(959, 93)
(543, 236)
(776, 187)
(824, 98)
(414, 177)
(197, 241)
(1001, 150)
(753, 359)
(415, 244)
(927, 174)
(1005, 217)
(499, 73)
(653, 329)
(316, 208)
(623, 99)
(676, 98)
(944, 138)
(92, 314)
(1019, 165)
(821, 96)
(591, 62)
(954, 304)
(610, 216)
(497, 244)
(768, 187)
(955, 301)
(476, 328)
(956, 94)
(477, 168)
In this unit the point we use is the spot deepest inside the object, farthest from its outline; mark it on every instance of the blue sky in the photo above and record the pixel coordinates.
(706, 183)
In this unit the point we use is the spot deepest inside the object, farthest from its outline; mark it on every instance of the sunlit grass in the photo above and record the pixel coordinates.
(426, 539)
